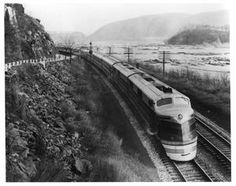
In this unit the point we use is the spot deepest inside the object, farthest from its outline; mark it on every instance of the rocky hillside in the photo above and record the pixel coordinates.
(156, 26)
(46, 121)
(25, 37)
(200, 35)
(60, 127)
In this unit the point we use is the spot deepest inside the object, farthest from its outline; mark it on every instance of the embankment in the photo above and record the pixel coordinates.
(63, 124)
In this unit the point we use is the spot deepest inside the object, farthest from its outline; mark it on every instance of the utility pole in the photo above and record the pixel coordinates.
(90, 48)
(187, 72)
(128, 52)
(70, 54)
(163, 62)
(109, 51)
(164, 56)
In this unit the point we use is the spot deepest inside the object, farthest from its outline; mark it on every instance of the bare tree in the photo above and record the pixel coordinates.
(68, 44)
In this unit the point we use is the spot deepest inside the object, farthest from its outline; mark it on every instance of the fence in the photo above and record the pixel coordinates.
(43, 61)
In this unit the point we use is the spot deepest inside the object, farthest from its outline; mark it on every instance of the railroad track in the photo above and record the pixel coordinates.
(211, 137)
(192, 171)
(217, 145)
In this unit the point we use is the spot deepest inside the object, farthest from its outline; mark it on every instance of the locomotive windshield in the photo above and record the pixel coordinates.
(164, 101)
(181, 101)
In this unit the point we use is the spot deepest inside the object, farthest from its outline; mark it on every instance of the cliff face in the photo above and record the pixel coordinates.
(25, 37)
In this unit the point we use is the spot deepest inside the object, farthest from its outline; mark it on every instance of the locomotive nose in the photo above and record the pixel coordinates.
(180, 114)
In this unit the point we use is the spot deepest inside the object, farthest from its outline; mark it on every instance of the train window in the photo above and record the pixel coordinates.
(181, 101)
(164, 101)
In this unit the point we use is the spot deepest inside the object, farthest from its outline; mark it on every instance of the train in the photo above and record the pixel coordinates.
(168, 112)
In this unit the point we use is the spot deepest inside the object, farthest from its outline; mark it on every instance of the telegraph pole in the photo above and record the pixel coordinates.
(70, 54)
(187, 72)
(128, 52)
(90, 48)
(109, 51)
(163, 62)
(164, 55)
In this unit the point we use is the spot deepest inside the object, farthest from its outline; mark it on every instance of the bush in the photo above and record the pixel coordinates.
(50, 171)
(103, 171)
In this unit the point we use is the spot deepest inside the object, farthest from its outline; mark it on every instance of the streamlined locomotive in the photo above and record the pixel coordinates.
(168, 111)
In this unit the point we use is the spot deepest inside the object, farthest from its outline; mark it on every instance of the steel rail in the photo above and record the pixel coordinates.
(192, 171)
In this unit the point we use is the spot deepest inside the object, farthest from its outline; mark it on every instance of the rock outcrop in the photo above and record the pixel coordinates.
(25, 37)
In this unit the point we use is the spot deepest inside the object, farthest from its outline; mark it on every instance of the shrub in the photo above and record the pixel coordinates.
(50, 171)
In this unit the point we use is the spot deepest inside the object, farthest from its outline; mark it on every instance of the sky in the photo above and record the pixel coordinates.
(88, 17)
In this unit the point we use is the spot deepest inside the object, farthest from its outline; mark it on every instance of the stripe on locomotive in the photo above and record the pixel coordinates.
(181, 151)
(179, 143)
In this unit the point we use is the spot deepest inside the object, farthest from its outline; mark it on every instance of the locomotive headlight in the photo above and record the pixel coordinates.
(180, 116)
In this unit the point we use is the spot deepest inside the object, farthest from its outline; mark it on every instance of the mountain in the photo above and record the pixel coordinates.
(156, 26)
(200, 35)
(61, 37)
(25, 37)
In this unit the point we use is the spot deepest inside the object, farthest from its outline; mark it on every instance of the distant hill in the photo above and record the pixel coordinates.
(60, 37)
(200, 35)
(156, 26)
